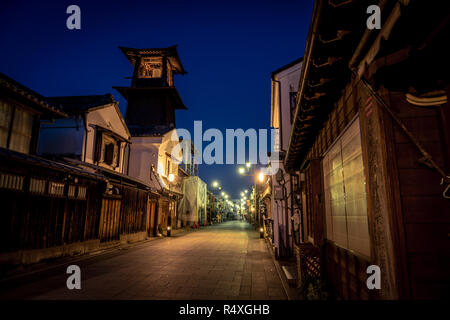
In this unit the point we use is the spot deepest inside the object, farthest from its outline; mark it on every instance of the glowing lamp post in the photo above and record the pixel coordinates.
(245, 171)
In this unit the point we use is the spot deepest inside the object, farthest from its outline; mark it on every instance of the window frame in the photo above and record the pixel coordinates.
(327, 205)
(104, 138)
(10, 129)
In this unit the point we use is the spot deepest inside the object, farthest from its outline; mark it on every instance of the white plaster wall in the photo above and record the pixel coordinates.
(110, 118)
(148, 151)
(166, 150)
(279, 215)
(68, 136)
(143, 154)
(289, 80)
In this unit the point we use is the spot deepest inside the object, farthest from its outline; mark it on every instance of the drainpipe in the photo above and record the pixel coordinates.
(128, 161)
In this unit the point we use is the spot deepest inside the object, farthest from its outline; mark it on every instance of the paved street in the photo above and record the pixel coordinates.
(226, 261)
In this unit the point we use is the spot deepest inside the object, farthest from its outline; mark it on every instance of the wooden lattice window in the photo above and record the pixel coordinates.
(345, 192)
(81, 193)
(37, 186)
(56, 189)
(11, 181)
(71, 191)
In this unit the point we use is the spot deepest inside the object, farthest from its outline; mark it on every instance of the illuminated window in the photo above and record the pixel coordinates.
(345, 193)
(56, 189)
(81, 192)
(37, 185)
(11, 181)
(71, 191)
(16, 126)
(150, 68)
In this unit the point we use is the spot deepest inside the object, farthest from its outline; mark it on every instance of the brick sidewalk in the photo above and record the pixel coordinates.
(225, 261)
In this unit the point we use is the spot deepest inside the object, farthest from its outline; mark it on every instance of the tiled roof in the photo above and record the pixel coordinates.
(290, 64)
(108, 173)
(170, 52)
(30, 96)
(29, 159)
(79, 104)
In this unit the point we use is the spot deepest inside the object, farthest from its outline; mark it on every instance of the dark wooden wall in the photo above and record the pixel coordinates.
(39, 221)
(346, 271)
(424, 214)
(341, 269)
(29, 221)
(342, 114)
(109, 218)
(134, 210)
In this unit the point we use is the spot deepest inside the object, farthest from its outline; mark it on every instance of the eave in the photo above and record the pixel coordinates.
(171, 92)
(334, 33)
(170, 52)
(30, 98)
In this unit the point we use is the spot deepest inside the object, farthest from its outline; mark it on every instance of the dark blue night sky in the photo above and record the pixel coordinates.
(228, 48)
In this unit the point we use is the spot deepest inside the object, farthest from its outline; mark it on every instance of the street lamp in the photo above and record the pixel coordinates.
(241, 170)
(261, 177)
(216, 185)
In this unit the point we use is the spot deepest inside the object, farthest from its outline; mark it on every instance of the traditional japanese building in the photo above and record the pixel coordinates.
(371, 138)
(152, 100)
(284, 85)
(95, 131)
(95, 137)
(49, 208)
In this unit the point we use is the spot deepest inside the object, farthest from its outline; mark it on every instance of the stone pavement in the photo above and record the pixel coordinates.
(225, 261)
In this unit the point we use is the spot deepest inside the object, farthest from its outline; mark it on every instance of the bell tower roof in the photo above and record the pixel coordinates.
(170, 53)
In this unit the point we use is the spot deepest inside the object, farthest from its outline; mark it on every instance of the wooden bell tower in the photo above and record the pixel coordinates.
(152, 98)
